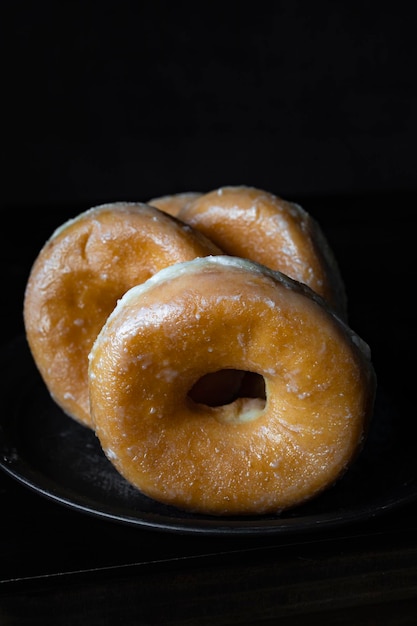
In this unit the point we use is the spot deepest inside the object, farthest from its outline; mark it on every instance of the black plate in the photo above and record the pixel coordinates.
(56, 457)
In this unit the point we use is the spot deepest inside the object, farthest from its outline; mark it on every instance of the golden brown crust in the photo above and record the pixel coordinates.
(255, 224)
(173, 203)
(83, 269)
(253, 455)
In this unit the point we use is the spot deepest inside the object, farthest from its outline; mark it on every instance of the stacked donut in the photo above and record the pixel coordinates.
(204, 338)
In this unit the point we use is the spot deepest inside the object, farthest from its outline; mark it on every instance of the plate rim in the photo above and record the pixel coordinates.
(19, 469)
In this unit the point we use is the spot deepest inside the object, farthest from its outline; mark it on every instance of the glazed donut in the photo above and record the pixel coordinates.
(252, 223)
(254, 455)
(80, 273)
(173, 203)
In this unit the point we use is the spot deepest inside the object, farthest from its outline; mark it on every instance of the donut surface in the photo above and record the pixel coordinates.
(80, 273)
(260, 452)
(252, 223)
(173, 203)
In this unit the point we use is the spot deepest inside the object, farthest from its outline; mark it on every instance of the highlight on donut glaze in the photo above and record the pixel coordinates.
(252, 223)
(173, 203)
(82, 270)
(279, 440)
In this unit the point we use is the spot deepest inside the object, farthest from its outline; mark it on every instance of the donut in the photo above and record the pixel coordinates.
(78, 276)
(257, 454)
(252, 223)
(173, 203)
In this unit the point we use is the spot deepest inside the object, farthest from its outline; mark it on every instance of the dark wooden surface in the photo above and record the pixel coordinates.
(61, 566)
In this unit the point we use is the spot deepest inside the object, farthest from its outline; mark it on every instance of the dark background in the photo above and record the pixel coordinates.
(316, 102)
(127, 100)
(107, 101)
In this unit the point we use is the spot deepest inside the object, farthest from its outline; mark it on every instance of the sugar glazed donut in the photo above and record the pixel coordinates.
(80, 273)
(254, 455)
(252, 223)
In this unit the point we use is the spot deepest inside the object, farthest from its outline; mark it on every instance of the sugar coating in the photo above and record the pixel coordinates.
(154, 213)
(196, 265)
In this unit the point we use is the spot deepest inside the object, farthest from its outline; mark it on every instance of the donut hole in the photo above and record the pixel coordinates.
(227, 386)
